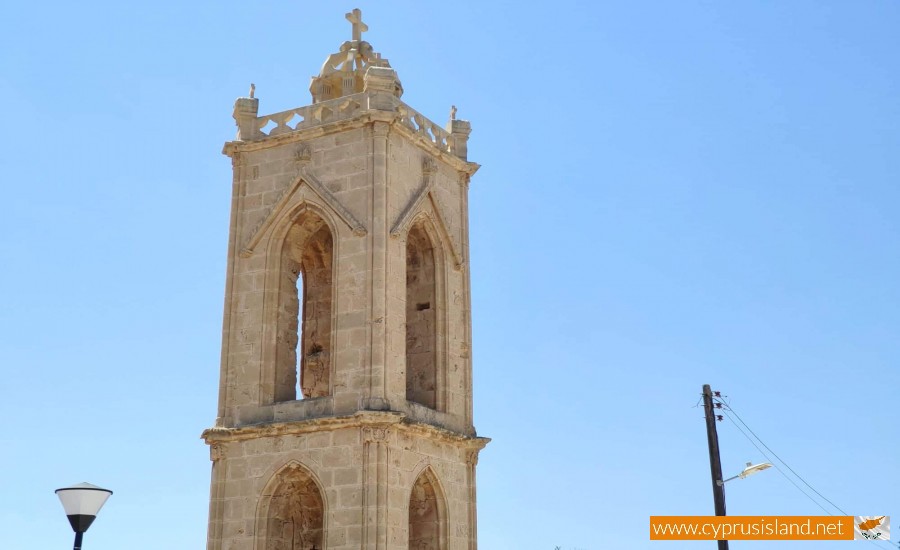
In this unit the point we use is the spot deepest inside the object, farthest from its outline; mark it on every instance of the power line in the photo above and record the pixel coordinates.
(726, 408)
(780, 471)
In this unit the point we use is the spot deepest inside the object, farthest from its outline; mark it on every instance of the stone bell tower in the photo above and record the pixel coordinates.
(345, 398)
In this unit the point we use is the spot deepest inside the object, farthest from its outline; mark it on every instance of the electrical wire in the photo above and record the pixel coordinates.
(726, 405)
(780, 471)
(726, 408)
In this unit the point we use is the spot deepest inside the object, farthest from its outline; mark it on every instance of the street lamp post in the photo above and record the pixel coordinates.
(747, 472)
(82, 502)
(715, 461)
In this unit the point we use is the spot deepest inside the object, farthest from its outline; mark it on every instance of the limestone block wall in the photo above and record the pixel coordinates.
(360, 179)
(365, 475)
(441, 212)
(353, 431)
(270, 198)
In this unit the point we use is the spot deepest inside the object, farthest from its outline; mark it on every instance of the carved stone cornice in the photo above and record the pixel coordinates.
(375, 421)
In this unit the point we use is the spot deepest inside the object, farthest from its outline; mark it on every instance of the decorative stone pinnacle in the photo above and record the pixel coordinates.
(355, 17)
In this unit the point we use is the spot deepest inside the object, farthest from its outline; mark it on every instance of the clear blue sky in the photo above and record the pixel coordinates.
(672, 194)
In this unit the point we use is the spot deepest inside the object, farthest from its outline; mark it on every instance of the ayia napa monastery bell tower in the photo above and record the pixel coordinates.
(345, 395)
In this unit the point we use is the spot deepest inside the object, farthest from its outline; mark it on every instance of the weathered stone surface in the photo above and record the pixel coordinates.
(345, 407)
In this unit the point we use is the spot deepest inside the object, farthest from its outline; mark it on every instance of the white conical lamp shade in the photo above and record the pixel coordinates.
(82, 502)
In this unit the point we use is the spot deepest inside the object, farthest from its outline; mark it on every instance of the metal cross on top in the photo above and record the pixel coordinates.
(359, 27)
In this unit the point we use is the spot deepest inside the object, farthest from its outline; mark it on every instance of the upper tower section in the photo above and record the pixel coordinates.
(348, 279)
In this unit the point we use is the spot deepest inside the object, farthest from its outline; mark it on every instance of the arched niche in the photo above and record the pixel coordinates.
(291, 511)
(427, 514)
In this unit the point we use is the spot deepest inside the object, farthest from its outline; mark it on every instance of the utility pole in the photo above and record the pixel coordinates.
(715, 461)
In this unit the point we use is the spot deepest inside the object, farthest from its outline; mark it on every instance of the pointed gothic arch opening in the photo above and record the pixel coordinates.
(304, 333)
(291, 511)
(427, 514)
(422, 370)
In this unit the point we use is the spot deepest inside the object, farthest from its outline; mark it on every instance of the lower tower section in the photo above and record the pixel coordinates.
(369, 481)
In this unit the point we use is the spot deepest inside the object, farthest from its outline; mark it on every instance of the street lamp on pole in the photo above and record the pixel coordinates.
(747, 472)
(82, 502)
(715, 461)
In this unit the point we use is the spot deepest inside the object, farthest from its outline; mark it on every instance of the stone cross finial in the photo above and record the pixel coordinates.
(355, 17)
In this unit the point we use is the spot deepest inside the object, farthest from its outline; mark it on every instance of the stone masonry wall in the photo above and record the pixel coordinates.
(270, 193)
(358, 471)
(339, 207)
(272, 197)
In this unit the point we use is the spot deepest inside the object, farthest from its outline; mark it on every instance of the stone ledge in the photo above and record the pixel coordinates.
(360, 120)
(361, 419)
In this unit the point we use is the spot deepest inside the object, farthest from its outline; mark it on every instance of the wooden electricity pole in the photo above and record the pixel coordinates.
(715, 461)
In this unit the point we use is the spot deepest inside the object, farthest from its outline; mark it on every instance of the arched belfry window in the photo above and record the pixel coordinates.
(303, 340)
(292, 511)
(421, 319)
(427, 514)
